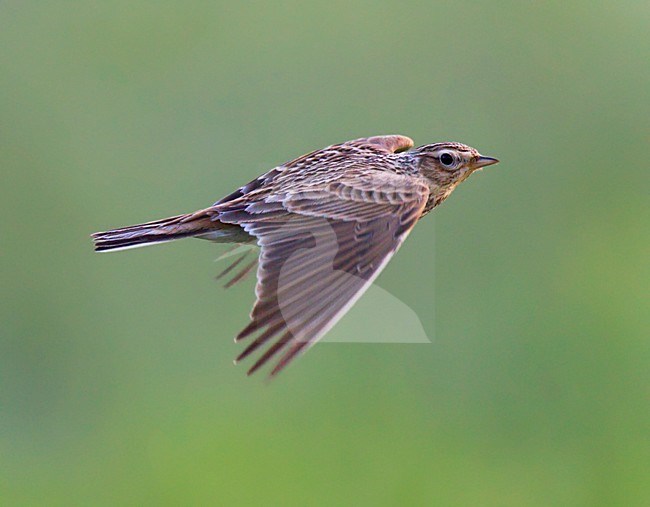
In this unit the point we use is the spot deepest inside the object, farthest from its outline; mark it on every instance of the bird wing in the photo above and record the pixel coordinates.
(394, 143)
(311, 163)
(320, 251)
(390, 144)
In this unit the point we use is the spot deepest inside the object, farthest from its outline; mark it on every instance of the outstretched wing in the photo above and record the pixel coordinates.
(320, 250)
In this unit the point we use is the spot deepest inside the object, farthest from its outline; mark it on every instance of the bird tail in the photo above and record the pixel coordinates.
(150, 233)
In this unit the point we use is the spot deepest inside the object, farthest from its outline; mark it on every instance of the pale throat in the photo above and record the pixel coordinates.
(438, 193)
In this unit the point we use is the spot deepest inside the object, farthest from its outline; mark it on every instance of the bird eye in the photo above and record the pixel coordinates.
(447, 159)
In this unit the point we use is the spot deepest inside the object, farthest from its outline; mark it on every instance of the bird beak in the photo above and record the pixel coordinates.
(484, 162)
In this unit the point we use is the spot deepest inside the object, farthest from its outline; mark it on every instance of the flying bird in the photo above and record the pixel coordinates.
(326, 223)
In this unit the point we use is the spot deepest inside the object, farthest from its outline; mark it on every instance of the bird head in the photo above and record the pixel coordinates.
(445, 165)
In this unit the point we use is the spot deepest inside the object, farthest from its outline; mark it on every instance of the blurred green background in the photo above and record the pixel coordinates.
(116, 381)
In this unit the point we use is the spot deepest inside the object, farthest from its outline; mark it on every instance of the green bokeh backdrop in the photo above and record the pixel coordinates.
(116, 381)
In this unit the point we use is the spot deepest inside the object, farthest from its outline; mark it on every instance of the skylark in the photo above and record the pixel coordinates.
(327, 223)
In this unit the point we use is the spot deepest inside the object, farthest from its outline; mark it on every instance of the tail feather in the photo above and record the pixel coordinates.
(158, 231)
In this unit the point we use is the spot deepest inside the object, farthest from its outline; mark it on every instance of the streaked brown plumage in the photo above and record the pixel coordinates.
(326, 222)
